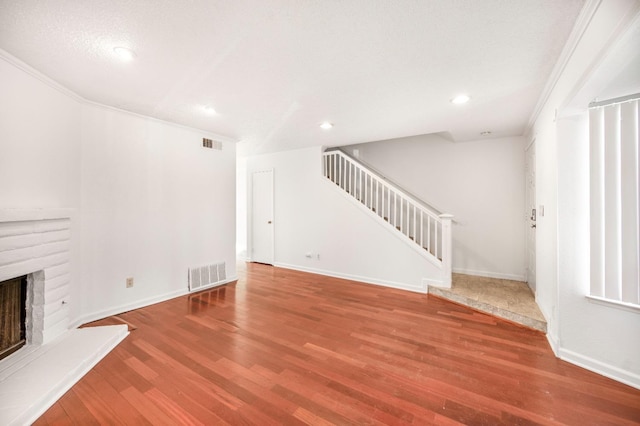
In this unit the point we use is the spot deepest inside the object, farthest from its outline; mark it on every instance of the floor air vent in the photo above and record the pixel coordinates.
(207, 276)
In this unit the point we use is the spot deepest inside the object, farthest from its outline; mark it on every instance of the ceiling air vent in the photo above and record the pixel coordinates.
(210, 143)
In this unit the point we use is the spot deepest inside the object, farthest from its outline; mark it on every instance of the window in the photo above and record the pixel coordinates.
(614, 190)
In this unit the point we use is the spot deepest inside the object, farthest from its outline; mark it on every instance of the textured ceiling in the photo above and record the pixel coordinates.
(275, 69)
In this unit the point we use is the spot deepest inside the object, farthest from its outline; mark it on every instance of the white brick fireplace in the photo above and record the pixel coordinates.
(37, 243)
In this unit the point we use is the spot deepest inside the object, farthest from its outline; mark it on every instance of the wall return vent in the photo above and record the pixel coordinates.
(210, 143)
(203, 277)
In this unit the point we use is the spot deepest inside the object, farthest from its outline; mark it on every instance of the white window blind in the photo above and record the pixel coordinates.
(614, 189)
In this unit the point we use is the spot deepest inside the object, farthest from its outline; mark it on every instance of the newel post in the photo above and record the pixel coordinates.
(446, 249)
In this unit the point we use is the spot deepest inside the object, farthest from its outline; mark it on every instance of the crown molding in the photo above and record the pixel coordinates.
(207, 133)
(26, 68)
(12, 60)
(582, 23)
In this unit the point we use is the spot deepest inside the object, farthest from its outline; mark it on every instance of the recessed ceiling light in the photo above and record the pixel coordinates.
(460, 99)
(326, 125)
(124, 53)
(209, 110)
(485, 133)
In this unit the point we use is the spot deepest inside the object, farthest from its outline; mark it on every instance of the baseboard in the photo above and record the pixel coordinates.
(599, 367)
(426, 283)
(94, 316)
(489, 274)
(367, 280)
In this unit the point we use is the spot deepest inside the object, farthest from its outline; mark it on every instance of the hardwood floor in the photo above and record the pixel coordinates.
(286, 347)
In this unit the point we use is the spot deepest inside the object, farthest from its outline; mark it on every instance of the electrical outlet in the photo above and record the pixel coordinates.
(129, 282)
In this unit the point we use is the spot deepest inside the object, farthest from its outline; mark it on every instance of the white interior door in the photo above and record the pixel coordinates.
(262, 216)
(531, 214)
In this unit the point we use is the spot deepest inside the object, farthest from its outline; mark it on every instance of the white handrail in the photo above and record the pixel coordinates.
(379, 179)
(386, 200)
(383, 181)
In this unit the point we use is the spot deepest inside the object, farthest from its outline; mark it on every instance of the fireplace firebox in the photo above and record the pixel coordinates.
(13, 297)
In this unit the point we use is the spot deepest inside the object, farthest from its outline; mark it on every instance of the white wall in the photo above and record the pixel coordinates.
(39, 143)
(149, 201)
(312, 216)
(480, 182)
(154, 203)
(601, 338)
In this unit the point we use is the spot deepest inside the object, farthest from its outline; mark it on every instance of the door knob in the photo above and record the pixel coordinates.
(269, 222)
(533, 226)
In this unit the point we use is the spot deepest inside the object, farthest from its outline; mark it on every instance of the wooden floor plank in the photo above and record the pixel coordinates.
(54, 416)
(147, 407)
(288, 347)
(101, 389)
(76, 408)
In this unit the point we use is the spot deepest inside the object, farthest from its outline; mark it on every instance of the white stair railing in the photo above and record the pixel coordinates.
(423, 228)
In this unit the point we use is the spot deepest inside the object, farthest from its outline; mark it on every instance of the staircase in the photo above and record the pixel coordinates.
(421, 227)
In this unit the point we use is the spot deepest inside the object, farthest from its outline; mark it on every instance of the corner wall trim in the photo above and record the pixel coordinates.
(553, 342)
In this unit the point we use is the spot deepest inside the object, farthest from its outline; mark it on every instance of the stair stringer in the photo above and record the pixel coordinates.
(421, 228)
(404, 257)
(387, 226)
